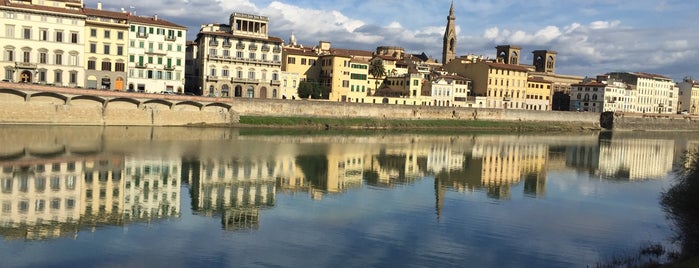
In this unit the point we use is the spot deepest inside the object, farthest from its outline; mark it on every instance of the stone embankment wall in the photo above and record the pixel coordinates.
(651, 122)
(317, 108)
(34, 104)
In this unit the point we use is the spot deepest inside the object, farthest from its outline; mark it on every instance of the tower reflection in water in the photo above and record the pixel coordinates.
(58, 195)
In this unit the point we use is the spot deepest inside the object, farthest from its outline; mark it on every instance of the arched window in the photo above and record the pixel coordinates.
(594, 97)
(225, 91)
(251, 92)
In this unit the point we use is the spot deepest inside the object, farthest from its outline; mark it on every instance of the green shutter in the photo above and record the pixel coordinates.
(179, 33)
(133, 28)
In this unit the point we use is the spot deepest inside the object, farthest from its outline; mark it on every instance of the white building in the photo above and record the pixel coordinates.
(43, 42)
(156, 55)
(451, 91)
(239, 59)
(654, 93)
(688, 96)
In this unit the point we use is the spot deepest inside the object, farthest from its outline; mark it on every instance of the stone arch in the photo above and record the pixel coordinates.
(238, 91)
(99, 100)
(187, 104)
(121, 101)
(263, 93)
(11, 94)
(160, 102)
(49, 96)
(218, 104)
(225, 90)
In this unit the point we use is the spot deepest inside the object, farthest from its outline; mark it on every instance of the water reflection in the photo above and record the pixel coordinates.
(56, 183)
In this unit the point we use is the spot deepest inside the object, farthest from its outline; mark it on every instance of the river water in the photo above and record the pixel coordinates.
(192, 197)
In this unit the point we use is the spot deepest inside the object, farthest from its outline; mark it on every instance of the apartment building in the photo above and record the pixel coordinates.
(156, 55)
(654, 93)
(504, 85)
(688, 96)
(538, 94)
(43, 42)
(106, 49)
(239, 59)
(605, 94)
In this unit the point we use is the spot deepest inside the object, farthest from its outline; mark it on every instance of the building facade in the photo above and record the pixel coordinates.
(106, 49)
(654, 93)
(43, 42)
(449, 41)
(156, 55)
(538, 95)
(239, 59)
(688, 96)
(503, 85)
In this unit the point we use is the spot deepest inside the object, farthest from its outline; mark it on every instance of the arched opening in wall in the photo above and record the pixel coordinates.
(119, 83)
(250, 92)
(263, 93)
(238, 91)
(274, 93)
(25, 76)
(513, 58)
(225, 91)
(92, 82)
(211, 91)
(385, 101)
(504, 105)
(106, 83)
(131, 88)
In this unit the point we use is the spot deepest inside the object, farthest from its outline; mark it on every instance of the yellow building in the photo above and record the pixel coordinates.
(335, 72)
(359, 82)
(503, 85)
(688, 96)
(302, 61)
(538, 94)
(106, 49)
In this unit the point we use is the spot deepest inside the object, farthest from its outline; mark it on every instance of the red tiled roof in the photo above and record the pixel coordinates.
(153, 21)
(506, 66)
(538, 79)
(351, 52)
(591, 84)
(300, 51)
(43, 8)
(105, 13)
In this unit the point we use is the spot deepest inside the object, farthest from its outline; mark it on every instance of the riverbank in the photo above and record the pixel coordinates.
(397, 124)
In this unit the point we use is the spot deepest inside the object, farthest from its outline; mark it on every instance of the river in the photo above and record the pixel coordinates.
(191, 197)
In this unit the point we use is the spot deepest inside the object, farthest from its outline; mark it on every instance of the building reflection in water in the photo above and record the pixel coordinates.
(58, 195)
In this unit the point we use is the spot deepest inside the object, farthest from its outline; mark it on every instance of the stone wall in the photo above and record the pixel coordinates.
(640, 122)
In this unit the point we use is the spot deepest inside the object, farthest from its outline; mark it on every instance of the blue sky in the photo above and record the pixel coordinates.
(591, 36)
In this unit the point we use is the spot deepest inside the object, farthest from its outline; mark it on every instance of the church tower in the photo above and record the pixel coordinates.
(449, 45)
(545, 61)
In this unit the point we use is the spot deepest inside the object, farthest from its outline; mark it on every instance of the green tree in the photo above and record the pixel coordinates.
(377, 70)
(313, 89)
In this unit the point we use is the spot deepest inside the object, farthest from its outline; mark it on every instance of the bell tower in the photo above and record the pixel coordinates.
(449, 45)
(545, 61)
(508, 54)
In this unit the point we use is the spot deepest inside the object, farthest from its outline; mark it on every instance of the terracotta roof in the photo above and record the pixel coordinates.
(649, 75)
(538, 79)
(227, 34)
(591, 84)
(300, 51)
(351, 52)
(153, 21)
(63, 10)
(105, 13)
(506, 66)
(360, 60)
(385, 57)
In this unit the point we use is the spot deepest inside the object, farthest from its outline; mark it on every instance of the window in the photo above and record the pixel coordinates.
(57, 77)
(93, 32)
(73, 77)
(43, 57)
(239, 54)
(252, 55)
(27, 33)
(106, 34)
(106, 66)
(224, 73)
(120, 35)
(58, 59)
(93, 48)
(74, 59)
(74, 38)
(42, 75)
(303, 61)
(9, 54)
(43, 35)
(26, 56)
(91, 64)
(119, 67)
(59, 37)
(251, 74)
(213, 72)
(106, 49)
(291, 60)
(10, 31)
(120, 50)
(212, 52)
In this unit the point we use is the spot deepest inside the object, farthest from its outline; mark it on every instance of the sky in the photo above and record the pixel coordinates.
(591, 36)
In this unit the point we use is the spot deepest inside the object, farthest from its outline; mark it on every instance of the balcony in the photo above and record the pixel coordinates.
(265, 48)
(244, 80)
(170, 38)
(252, 47)
(277, 50)
(240, 46)
(506, 99)
(213, 43)
(169, 67)
(141, 65)
(25, 65)
(227, 44)
(210, 78)
(142, 35)
(275, 82)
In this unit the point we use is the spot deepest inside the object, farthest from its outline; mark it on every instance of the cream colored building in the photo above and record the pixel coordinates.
(450, 91)
(43, 42)
(239, 59)
(636, 159)
(289, 86)
(106, 49)
(151, 188)
(654, 93)
(688, 96)
(156, 55)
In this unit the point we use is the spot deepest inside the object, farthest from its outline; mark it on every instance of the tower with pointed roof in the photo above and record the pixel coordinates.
(449, 45)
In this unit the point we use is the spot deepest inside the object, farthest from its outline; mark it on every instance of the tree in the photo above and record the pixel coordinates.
(313, 89)
(377, 70)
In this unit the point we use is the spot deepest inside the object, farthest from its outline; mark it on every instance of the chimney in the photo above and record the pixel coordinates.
(99, 5)
(155, 17)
